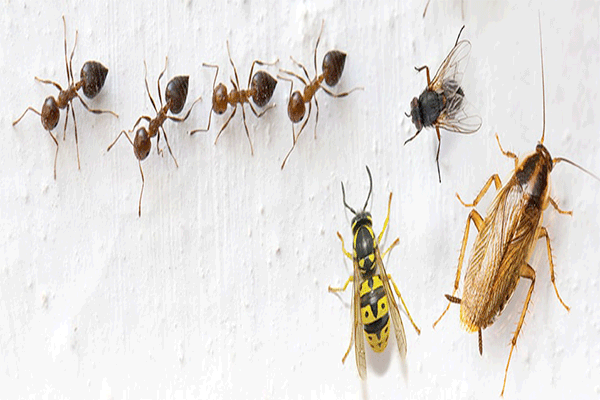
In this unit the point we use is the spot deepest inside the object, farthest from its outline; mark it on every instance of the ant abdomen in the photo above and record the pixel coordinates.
(50, 113)
(296, 107)
(333, 66)
(263, 86)
(219, 99)
(93, 75)
(141, 144)
(176, 93)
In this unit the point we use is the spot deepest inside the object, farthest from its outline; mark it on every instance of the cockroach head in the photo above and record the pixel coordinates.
(545, 154)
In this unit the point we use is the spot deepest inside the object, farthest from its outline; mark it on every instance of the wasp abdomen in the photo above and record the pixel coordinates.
(374, 313)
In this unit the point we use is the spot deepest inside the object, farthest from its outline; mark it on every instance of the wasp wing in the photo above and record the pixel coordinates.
(393, 308)
(459, 115)
(357, 326)
(450, 73)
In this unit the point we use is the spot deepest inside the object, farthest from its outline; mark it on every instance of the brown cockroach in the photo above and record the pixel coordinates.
(506, 239)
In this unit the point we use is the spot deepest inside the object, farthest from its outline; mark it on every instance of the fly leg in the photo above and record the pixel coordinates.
(525, 272)
(542, 232)
(478, 221)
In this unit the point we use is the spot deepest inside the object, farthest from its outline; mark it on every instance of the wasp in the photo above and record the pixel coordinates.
(373, 301)
(506, 239)
(442, 104)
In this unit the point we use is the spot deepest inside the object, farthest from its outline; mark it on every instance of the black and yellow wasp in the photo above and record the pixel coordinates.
(373, 301)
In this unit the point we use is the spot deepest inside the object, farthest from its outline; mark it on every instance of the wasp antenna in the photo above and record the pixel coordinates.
(559, 159)
(370, 187)
(344, 199)
(543, 86)
(458, 37)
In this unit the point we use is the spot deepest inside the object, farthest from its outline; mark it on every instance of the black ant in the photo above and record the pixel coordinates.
(260, 89)
(175, 96)
(333, 66)
(93, 74)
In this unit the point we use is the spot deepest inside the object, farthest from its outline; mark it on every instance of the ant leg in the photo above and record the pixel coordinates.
(259, 63)
(142, 190)
(201, 129)
(56, 153)
(412, 137)
(305, 121)
(295, 137)
(168, 145)
(426, 68)
(158, 81)
(317, 45)
(95, 111)
(225, 124)
(317, 116)
(180, 119)
(66, 120)
(247, 132)
(233, 65)
(301, 66)
(293, 74)
(76, 139)
(115, 141)
(25, 112)
(49, 82)
(147, 88)
(437, 156)
(329, 92)
(258, 115)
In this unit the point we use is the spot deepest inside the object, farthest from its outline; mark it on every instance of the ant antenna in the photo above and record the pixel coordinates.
(370, 187)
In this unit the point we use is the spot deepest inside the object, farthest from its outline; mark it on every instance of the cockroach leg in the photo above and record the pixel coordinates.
(525, 272)
(494, 178)
(557, 208)
(543, 233)
(508, 154)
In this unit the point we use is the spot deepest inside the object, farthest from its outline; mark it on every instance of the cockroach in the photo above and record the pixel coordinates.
(260, 89)
(92, 77)
(442, 104)
(506, 239)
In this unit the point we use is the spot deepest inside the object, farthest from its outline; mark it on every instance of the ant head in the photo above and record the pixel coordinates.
(176, 93)
(50, 113)
(415, 112)
(141, 144)
(296, 107)
(263, 86)
(333, 66)
(219, 100)
(93, 74)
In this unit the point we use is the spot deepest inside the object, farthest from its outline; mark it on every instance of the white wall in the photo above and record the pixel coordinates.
(219, 290)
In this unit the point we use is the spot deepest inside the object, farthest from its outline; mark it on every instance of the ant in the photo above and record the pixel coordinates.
(333, 66)
(93, 74)
(175, 97)
(260, 89)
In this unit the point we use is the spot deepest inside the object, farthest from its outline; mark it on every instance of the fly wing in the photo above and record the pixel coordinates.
(394, 313)
(459, 115)
(357, 330)
(450, 74)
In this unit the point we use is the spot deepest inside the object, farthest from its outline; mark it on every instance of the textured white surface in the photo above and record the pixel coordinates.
(220, 289)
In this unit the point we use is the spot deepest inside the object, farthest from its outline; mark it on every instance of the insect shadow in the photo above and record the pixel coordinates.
(442, 104)
(175, 97)
(332, 67)
(260, 89)
(506, 238)
(92, 78)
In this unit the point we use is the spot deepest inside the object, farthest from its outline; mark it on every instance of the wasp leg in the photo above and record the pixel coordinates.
(525, 272)
(404, 304)
(557, 208)
(542, 232)
(390, 248)
(385, 223)
(344, 248)
(426, 68)
(494, 178)
(508, 154)
(478, 221)
(333, 290)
